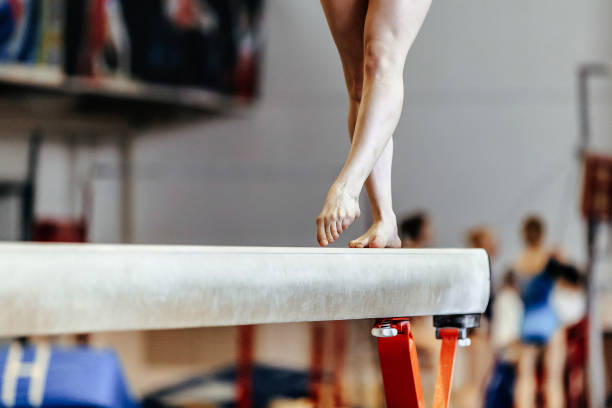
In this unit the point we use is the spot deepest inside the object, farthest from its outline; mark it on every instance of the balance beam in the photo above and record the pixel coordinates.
(74, 288)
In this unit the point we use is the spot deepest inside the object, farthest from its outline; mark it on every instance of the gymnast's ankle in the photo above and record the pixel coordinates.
(386, 217)
(342, 186)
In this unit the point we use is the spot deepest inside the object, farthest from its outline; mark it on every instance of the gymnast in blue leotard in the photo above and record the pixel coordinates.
(538, 269)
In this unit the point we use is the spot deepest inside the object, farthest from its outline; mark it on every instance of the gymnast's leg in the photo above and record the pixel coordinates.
(388, 32)
(347, 24)
(346, 19)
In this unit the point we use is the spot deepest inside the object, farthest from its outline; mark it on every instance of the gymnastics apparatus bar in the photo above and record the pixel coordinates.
(75, 288)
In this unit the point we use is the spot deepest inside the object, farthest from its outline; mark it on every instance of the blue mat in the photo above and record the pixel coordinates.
(51, 376)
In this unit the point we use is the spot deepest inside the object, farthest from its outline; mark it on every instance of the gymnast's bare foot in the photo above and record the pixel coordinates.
(340, 210)
(382, 234)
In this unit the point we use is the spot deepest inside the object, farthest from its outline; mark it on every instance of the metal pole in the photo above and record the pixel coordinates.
(596, 358)
(596, 369)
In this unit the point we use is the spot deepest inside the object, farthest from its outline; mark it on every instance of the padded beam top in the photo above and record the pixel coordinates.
(71, 288)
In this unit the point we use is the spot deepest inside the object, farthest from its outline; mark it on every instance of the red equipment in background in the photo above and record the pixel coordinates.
(54, 230)
(597, 187)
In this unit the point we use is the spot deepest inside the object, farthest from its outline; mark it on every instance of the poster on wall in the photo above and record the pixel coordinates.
(31, 41)
(168, 47)
(31, 31)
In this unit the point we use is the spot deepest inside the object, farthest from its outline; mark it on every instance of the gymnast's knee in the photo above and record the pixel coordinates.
(381, 59)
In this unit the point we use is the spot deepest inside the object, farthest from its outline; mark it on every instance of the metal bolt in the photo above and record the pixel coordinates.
(464, 342)
(384, 330)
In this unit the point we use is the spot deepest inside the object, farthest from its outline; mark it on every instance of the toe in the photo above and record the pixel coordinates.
(339, 226)
(334, 230)
(360, 242)
(346, 222)
(328, 232)
(321, 232)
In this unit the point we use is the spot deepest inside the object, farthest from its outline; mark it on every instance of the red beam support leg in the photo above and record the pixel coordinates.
(317, 349)
(449, 339)
(339, 340)
(244, 372)
(399, 364)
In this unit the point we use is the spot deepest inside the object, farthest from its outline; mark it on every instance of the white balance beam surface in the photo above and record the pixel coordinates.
(71, 288)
